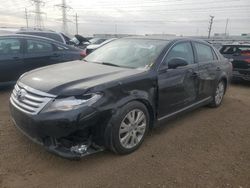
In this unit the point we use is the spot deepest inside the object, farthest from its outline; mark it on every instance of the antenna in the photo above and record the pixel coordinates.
(210, 25)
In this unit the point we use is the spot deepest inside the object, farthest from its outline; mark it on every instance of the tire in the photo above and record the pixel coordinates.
(218, 94)
(127, 135)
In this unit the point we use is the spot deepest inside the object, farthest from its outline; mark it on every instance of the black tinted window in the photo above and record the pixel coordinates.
(34, 46)
(182, 50)
(204, 52)
(228, 50)
(9, 46)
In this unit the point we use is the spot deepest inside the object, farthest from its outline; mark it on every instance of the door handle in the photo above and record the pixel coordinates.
(194, 74)
(16, 58)
(55, 55)
(218, 69)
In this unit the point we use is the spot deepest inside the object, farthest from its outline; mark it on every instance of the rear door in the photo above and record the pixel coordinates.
(209, 69)
(11, 59)
(38, 53)
(178, 88)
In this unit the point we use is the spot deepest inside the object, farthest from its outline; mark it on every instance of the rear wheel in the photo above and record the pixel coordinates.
(130, 126)
(218, 94)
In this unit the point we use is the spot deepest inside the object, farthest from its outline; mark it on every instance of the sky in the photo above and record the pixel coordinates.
(180, 17)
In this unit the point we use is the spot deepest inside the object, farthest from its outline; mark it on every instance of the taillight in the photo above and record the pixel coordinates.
(83, 53)
(247, 60)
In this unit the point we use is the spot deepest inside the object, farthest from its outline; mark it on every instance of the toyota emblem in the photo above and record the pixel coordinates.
(21, 94)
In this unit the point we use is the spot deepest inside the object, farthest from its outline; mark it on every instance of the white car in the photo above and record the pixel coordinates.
(94, 45)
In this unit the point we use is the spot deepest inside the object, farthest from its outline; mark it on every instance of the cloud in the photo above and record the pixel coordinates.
(187, 17)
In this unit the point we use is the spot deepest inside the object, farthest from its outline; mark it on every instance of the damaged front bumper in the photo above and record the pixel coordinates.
(69, 136)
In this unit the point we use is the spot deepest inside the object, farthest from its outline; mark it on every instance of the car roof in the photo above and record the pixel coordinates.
(170, 39)
(247, 44)
(37, 31)
(29, 36)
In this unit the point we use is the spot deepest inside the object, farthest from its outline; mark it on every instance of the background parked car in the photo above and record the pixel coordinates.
(21, 53)
(96, 43)
(119, 92)
(57, 36)
(240, 54)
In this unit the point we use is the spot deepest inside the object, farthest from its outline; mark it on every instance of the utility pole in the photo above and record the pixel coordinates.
(210, 25)
(226, 27)
(64, 7)
(38, 13)
(26, 17)
(76, 22)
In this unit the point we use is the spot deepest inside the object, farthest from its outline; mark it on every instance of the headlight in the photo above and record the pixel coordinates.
(71, 103)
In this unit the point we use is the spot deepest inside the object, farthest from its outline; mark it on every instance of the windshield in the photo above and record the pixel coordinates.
(243, 50)
(131, 53)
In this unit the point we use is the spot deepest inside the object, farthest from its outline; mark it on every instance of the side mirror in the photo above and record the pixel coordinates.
(177, 62)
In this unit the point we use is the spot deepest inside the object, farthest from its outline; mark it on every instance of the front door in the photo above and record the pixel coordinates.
(11, 59)
(38, 53)
(178, 87)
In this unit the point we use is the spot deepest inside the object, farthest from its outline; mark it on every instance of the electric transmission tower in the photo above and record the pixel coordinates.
(210, 25)
(26, 17)
(38, 13)
(64, 7)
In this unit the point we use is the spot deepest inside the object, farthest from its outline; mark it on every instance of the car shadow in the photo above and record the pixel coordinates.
(6, 88)
(244, 83)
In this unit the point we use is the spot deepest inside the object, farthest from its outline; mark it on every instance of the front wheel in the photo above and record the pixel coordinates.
(130, 126)
(218, 94)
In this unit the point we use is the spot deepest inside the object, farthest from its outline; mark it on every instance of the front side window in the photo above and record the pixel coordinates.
(204, 52)
(35, 46)
(131, 53)
(9, 46)
(182, 50)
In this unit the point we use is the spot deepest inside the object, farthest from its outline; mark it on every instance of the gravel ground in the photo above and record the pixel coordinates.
(204, 148)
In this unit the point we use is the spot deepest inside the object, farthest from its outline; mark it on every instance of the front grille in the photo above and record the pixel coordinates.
(29, 100)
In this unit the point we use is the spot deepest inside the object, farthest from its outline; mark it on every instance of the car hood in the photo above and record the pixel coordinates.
(74, 77)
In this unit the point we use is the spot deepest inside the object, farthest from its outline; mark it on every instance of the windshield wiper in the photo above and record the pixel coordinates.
(111, 64)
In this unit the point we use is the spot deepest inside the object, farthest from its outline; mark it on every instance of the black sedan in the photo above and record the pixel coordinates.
(112, 97)
(22, 53)
(240, 55)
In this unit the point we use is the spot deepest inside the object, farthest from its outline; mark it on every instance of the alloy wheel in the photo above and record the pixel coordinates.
(132, 128)
(219, 93)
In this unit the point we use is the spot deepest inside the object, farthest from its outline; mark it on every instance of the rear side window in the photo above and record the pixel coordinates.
(9, 46)
(35, 46)
(182, 50)
(204, 52)
(61, 48)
